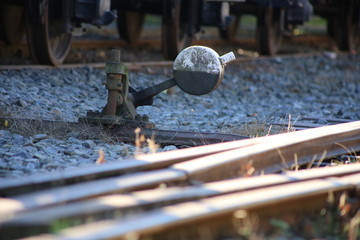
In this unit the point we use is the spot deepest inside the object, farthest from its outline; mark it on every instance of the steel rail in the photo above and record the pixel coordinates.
(125, 132)
(270, 154)
(277, 152)
(298, 124)
(85, 44)
(330, 120)
(110, 43)
(174, 137)
(130, 65)
(139, 200)
(138, 65)
(193, 213)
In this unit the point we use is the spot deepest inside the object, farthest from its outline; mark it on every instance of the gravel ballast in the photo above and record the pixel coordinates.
(254, 92)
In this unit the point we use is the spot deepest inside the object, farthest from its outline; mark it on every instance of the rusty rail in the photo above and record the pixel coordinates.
(140, 65)
(306, 122)
(160, 196)
(105, 44)
(184, 216)
(131, 65)
(220, 199)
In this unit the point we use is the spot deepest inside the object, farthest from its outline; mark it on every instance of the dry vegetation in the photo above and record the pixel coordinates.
(59, 129)
(338, 219)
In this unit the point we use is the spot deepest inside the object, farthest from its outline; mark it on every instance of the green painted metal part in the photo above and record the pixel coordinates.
(120, 109)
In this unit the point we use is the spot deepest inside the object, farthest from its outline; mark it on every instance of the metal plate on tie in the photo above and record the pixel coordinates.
(198, 70)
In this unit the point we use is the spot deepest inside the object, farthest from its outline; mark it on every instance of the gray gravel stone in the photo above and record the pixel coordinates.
(22, 154)
(18, 139)
(71, 152)
(32, 163)
(39, 137)
(169, 148)
(252, 92)
(89, 144)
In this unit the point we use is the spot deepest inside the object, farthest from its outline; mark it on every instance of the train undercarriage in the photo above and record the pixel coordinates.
(50, 25)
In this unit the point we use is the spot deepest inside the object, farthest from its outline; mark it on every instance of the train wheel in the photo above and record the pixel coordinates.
(269, 30)
(174, 33)
(12, 23)
(48, 41)
(229, 33)
(344, 28)
(130, 24)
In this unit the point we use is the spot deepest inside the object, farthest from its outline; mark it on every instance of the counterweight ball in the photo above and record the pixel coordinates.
(199, 70)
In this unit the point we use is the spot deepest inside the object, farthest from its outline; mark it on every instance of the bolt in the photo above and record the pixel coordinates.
(229, 57)
(115, 55)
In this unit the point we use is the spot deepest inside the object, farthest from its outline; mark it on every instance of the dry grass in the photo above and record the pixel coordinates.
(59, 129)
(253, 130)
(338, 219)
(261, 128)
(144, 145)
(10, 120)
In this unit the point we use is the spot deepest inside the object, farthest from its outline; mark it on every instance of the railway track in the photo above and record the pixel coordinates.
(193, 192)
(110, 43)
(7, 51)
(133, 66)
(210, 41)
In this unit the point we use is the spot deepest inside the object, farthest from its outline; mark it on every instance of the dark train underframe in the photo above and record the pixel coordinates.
(49, 24)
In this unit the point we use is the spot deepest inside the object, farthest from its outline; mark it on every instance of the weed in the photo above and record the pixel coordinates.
(248, 170)
(60, 224)
(354, 230)
(350, 152)
(259, 128)
(141, 143)
(254, 130)
(246, 225)
(101, 158)
(338, 219)
(152, 145)
(59, 129)
(290, 127)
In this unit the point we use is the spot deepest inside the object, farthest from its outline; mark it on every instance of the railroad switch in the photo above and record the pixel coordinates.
(197, 70)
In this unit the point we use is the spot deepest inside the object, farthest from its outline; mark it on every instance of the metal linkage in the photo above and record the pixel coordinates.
(197, 70)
